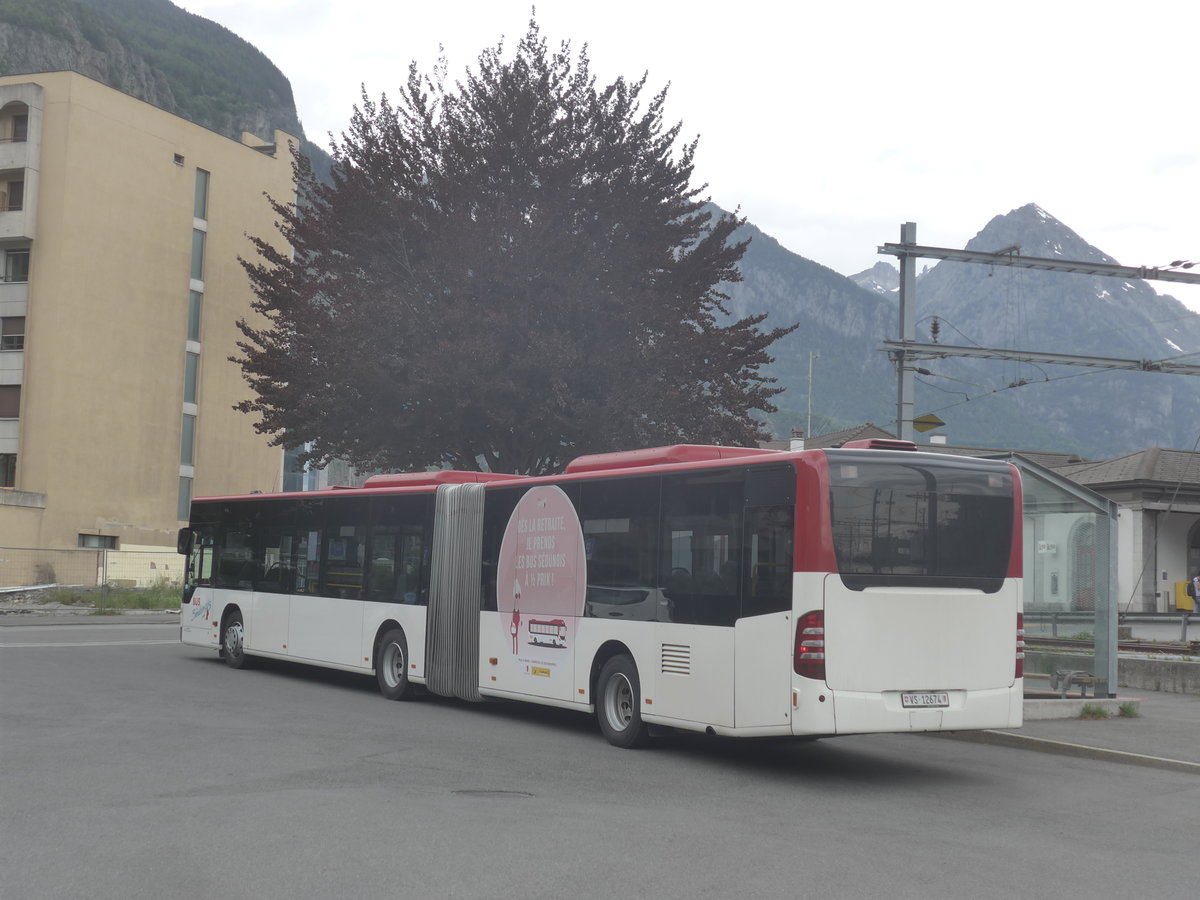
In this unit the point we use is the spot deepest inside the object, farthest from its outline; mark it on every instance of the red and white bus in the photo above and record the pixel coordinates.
(734, 591)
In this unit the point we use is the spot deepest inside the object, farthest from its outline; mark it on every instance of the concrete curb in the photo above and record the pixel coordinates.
(1063, 748)
(1039, 709)
(11, 617)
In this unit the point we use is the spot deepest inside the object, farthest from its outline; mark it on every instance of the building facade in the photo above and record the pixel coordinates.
(121, 228)
(1158, 491)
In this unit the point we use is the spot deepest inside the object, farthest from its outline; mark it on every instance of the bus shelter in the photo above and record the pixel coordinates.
(1070, 537)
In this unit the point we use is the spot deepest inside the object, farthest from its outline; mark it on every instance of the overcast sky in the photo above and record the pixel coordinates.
(831, 122)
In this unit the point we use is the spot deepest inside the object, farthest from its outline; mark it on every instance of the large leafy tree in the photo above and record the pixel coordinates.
(505, 271)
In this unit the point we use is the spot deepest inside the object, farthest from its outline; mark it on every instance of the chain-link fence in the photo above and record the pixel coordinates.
(129, 578)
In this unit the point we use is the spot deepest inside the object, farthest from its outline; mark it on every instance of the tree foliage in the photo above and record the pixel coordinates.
(510, 269)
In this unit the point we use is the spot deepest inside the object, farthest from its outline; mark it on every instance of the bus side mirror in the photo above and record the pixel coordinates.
(184, 541)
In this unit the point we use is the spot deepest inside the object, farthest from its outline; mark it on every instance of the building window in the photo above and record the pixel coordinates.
(98, 541)
(16, 265)
(179, 159)
(185, 499)
(12, 333)
(200, 210)
(191, 371)
(13, 199)
(187, 441)
(195, 304)
(20, 128)
(197, 254)
(10, 401)
(8, 470)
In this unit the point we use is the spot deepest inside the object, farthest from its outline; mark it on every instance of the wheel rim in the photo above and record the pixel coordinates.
(233, 639)
(393, 664)
(618, 701)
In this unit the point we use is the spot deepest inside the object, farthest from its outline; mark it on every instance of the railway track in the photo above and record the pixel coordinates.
(1163, 648)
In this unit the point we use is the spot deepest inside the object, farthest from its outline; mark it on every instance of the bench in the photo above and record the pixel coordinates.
(1061, 680)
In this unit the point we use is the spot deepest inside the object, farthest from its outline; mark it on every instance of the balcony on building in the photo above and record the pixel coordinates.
(14, 136)
(14, 223)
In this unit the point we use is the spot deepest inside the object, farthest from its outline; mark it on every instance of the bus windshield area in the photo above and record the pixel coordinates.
(945, 523)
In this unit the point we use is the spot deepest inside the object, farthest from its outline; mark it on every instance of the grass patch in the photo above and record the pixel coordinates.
(1093, 711)
(1128, 711)
(110, 600)
(1083, 636)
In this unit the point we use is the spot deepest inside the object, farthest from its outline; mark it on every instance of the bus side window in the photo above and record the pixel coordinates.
(767, 585)
(620, 539)
(235, 567)
(345, 553)
(397, 552)
(702, 525)
(770, 534)
(499, 504)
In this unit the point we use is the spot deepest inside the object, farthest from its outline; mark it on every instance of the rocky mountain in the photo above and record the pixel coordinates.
(840, 325)
(882, 278)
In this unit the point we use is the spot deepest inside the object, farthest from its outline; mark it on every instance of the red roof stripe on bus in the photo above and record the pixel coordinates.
(657, 456)
(441, 476)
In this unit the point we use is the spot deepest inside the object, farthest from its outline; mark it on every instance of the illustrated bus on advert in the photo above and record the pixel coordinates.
(734, 591)
(548, 632)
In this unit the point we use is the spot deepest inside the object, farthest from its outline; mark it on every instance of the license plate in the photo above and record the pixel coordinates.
(924, 699)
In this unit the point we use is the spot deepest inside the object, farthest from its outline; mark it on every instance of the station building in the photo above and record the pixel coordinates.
(121, 228)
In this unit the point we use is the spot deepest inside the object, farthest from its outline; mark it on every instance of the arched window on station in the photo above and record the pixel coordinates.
(1193, 549)
(1083, 565)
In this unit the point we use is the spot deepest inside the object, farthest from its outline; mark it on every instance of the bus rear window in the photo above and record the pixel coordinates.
(946, 523)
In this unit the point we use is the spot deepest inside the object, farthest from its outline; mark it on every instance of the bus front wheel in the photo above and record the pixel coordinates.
(619, 707)
(233, 642)
(391, 666)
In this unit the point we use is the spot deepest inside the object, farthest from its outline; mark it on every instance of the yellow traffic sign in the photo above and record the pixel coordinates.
(927, 422)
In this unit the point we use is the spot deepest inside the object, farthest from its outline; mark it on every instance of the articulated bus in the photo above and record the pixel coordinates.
(733, 591)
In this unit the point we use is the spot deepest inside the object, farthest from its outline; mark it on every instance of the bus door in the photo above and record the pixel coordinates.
(196, 613)
(328, 625)
(764, 631)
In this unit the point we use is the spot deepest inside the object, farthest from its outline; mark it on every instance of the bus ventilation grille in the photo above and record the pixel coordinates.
(676, 659)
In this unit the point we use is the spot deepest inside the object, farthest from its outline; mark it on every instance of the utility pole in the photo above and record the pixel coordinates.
(906, 350)
(808, 424)
(908, 332)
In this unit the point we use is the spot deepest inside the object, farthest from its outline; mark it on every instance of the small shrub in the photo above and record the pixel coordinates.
(1093, 711)
(69, 597)
(1128, 710)
(1083, 636)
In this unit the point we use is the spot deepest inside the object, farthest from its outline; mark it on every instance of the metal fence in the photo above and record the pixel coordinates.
(24, 567)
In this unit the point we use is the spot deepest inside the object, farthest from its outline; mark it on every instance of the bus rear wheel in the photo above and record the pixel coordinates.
(391, 666)
(233, 642)
(618, 710)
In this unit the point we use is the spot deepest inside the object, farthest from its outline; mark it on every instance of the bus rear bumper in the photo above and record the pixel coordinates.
(869, 712)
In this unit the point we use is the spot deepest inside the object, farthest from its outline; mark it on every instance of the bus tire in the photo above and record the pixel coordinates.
(391, 666)
(618, 706)
(233, 641)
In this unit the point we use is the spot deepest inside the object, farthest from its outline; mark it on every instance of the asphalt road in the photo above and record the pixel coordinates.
(133, 767)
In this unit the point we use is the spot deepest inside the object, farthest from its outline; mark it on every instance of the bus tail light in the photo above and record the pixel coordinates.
(1020, 645)
(809, 659)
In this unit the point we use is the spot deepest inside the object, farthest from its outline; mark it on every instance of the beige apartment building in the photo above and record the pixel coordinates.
(120, 231)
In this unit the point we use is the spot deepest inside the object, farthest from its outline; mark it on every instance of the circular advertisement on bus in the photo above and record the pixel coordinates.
(541, 576)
